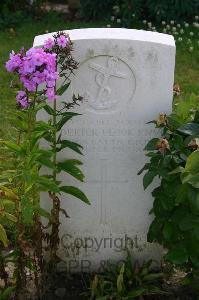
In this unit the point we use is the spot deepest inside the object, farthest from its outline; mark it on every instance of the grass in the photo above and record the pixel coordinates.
(186, 73)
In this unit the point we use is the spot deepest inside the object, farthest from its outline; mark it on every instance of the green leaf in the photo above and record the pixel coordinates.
(192, 164)
(69, 166)
(120, 280)
(148, 178)
(10, 217)
(182, 193)
(49, 110)
(44, 213)
(153, 276)
(179, 169)
(152, 144)
(177, 255)
(65, 117)
(189, 129)
(168, 230)
(3, 236)
(75, 192)
(27, 210)
(13, 146)
(62, 89)
(72, 145)
(47, 184)
(139, 291)
(45, 161)
(191, 179)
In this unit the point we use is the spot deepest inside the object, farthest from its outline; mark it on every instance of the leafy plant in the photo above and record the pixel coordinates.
(174, 159)
(129, 281)
(21, 179)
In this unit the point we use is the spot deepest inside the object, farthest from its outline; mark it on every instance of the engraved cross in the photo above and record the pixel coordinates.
(104, 194)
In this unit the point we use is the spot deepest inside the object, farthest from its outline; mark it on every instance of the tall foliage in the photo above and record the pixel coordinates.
(21, 179)
(174, 159)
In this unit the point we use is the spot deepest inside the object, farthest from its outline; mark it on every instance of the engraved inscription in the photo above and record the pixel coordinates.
(102, 79)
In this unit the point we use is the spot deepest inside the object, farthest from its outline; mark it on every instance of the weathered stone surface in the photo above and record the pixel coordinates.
(126, 77)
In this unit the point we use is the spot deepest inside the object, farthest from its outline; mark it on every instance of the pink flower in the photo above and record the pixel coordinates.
(14, 62)
(62, 41)
(50, 93)
(49, 43)
(35, 67)
(22, 99)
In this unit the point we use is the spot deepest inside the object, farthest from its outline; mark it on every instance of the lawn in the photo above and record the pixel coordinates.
(186, 73)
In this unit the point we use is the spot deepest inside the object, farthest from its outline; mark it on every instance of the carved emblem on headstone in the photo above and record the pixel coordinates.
(103, 100)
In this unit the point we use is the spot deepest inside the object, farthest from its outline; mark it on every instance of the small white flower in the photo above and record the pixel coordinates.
(112, 18)
(179, 39)
(163, 23)
(108, 25)
(196, 18)
(178, 25)
(186, 25)
(196, 25)
(172, 22)
(168, 26)
(174, 28)
(191, 33)
(149, 24)
(144, 21)
(181, 31)
(189, 41)
(198, 43)
(164, 30)
(190, 49)
(133, 15)
(118, 21)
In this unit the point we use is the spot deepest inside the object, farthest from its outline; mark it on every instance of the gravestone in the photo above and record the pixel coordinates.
(126, 78)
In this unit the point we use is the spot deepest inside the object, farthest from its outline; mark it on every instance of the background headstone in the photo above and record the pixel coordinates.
(126, 77)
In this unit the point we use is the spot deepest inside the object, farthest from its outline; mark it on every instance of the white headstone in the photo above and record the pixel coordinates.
(126, 77)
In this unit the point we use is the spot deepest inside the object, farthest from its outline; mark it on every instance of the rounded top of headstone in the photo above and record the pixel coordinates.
(112, 34)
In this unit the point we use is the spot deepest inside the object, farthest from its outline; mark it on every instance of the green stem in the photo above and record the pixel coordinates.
(55, 141)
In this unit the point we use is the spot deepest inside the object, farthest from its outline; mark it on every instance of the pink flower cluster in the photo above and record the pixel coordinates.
(61, 41)
(34, 67)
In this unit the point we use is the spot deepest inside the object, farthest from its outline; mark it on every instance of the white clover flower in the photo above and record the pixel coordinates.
(196, 25)
(186, 25)
(133, 15)
(181, 31)
(191, 49)
(116, 8)
(174, 28)
(149, 24)
(164, 30)
(198, 43)
(178, 25)
(112, 18)
(163, 23)
(179, 39)
(191, 33)
(168, 26)
(172, 22)
(189, 41)
(196, 18)
(144, 21)
(108, 25)
(118, 21)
